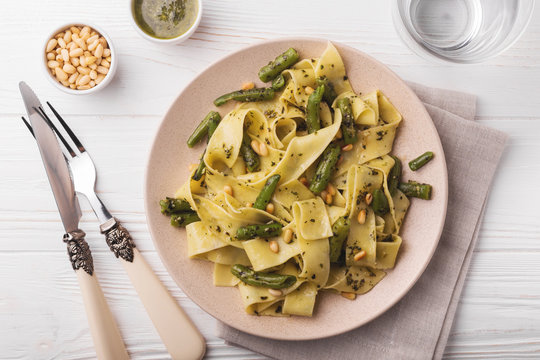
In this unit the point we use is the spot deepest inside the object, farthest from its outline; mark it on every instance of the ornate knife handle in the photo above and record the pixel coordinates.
(79, 251)
(107, 339)
(118, 239)
(178, 333)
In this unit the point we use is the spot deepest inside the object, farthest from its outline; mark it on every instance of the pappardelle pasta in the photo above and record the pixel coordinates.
(296, 191)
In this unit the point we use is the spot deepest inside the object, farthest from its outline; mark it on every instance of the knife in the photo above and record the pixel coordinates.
(106, 336)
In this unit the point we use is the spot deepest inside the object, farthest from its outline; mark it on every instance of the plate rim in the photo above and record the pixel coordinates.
(443, 193)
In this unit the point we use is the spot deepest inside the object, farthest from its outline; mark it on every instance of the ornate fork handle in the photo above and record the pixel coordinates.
(118, 239)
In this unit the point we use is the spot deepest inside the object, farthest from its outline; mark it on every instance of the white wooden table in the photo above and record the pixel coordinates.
(41, 311)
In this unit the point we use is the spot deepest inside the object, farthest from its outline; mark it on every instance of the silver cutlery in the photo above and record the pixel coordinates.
(178, 333)
(107, 339)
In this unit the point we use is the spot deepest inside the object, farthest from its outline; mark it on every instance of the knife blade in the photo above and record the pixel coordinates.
(55, 164)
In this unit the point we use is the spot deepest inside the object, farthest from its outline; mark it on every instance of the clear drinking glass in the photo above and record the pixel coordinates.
(461, 31)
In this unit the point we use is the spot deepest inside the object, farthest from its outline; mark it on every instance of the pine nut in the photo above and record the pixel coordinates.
(102, 41)
(107, 53)
(59, 58)
(100, 78)
(75, 61)
(99, 51)
(228, 190)
(329, 199)
(83, 70)
(76, 52)
(87, 53)
(108, 58)
(248, 85)
(79, 76)
(65, 83)
(90, 60)
(92, 38)
(274, 246)
(50, 56)
(81, 43)
(340, 160)
(255, 146)
(72, 78)
(339, 134)
(71, 46)
(270, 208)
(65, 54)
(304, 181)
(323, 194)
(51, 45)
(102, 70)
(359, 255)
(93, 66)
(105, 63)
(85, 30)
(331, 189)
(348, 295)
(67, 36)
(75, 30)
(84, 80)
(263, 149)
(93, 75)
(62, 43)
(60, 74)
(74, 37)
(93, 45)
(82, 60)
(287, 236)
(275, 292)
(73, 86)
(53, 64)
(68, 68)
(309, 90)
(361, 217)
(347, 147)
(369, 198)
(249, 204)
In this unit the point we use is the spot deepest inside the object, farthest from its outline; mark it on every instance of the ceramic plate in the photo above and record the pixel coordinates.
(168, 170)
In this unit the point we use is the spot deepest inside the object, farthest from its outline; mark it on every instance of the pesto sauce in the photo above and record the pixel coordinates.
(165, 19)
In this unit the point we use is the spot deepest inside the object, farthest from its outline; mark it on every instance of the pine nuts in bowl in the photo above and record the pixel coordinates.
(79, 58)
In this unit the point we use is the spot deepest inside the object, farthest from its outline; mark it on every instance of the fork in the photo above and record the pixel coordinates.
(178, 333)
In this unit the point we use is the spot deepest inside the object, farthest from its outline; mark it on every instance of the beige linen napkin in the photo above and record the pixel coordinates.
(418, 326)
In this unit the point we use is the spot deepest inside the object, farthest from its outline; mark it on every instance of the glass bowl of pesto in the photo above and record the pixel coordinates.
(166, 21)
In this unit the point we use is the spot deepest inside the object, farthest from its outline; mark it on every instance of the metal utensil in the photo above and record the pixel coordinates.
(178, 333)
(105, 333)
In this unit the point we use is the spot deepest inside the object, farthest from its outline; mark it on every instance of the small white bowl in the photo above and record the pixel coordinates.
(175, 40)
(104, 82)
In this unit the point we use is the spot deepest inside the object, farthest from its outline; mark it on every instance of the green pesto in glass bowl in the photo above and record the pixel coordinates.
(166, 20)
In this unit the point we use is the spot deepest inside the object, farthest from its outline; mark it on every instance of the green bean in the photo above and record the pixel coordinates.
(282, 62)
(347, 121)
(421, 161)
(257, 94)
(415, 189)
(266, 193)
(184, 218)
(380, 203)
(259, 230)
(279, 82)
(172, 206)
(212, 126)
(312, 111)
(341, 231)
(325, 168)
(329, 92)
(250, 156)
(262, 279)
(394, 177)
(202, 129)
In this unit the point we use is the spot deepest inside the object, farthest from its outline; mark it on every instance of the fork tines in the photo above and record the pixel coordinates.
(67, 129)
